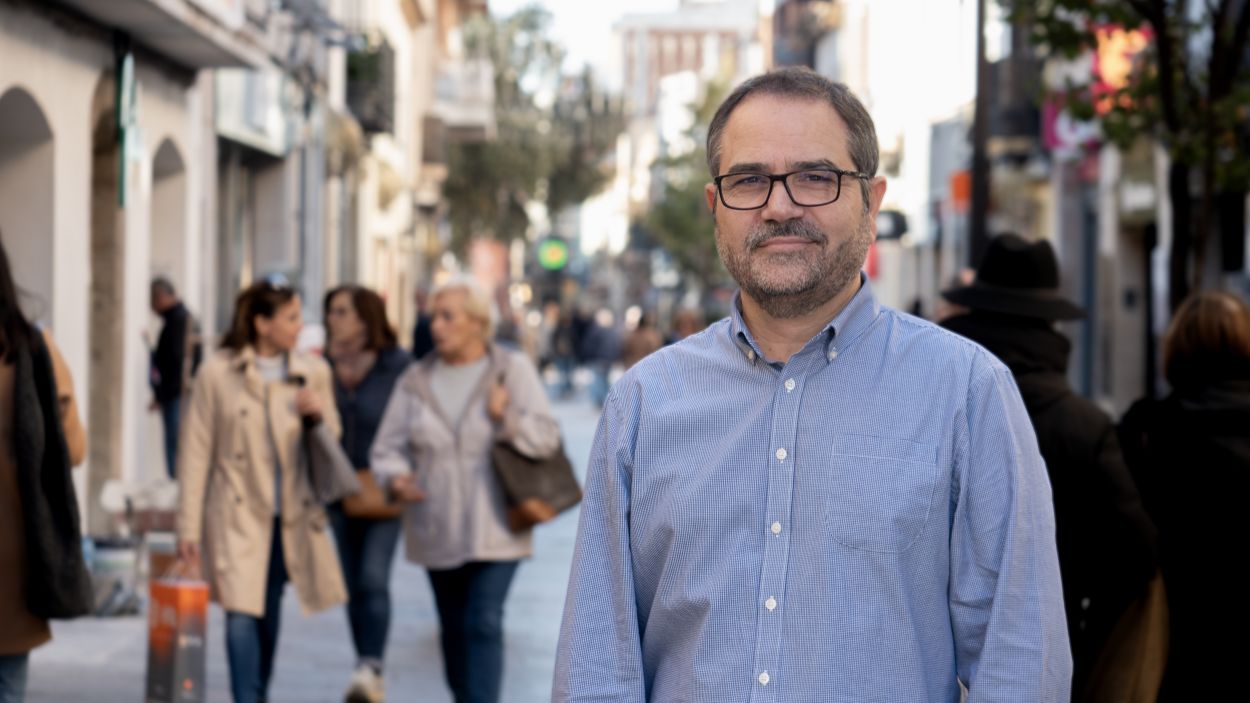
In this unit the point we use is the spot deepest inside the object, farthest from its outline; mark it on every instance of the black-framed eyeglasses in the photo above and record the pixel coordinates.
(811, 187)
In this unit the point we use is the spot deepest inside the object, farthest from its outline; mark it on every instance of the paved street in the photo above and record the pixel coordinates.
(103, 660)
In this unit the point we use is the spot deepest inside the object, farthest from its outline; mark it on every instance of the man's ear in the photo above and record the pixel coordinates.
(876, 194)
(709, 191)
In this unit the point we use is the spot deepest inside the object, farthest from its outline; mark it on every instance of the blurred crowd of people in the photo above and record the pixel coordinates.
(1145, 507)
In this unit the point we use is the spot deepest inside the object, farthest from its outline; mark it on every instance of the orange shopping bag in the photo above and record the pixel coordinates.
(177, 624)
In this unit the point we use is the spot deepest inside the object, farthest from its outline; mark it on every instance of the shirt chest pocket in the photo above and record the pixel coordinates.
(879, 491)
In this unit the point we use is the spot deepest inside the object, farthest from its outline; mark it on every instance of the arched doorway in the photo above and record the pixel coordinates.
(26, 189)
(169, 214)
(168, 227)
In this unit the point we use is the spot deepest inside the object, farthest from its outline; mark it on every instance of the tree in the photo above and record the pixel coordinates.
(1189, 89)
(554, 131)
(681, 222)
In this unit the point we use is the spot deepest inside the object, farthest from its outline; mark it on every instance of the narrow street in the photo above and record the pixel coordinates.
(103, 660)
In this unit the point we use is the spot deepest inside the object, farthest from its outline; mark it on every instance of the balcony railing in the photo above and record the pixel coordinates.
(464, 99)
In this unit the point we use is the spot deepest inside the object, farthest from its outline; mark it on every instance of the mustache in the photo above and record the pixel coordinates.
(765, 232)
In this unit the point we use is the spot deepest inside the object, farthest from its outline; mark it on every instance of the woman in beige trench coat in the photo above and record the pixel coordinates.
(245, 492)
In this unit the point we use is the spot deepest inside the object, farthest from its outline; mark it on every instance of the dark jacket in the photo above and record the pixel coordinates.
(422, 338)
(1105, 539)
(170, 354)
(1190, 453)
(361, 408)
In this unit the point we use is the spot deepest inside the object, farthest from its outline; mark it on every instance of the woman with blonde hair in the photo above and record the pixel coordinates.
(246, 493)
(433, 450)
(1190, 453)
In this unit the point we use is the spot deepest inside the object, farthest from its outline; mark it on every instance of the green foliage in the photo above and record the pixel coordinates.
(553, 132)
(1188, 88)
(681, 222)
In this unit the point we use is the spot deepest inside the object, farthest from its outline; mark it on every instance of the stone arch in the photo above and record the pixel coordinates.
(26, 198)
(168, 220)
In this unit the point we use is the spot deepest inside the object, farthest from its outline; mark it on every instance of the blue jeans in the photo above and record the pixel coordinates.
(470, 612)
(171, 412)
(366, 551)
(251, 641)
(13, 677)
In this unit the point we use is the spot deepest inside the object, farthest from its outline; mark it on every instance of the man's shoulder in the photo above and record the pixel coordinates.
(936, 340)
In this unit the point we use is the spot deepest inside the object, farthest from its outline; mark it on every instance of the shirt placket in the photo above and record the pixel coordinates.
(770, 600)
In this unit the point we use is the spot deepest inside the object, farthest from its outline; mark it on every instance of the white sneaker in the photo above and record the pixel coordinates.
(366, 686)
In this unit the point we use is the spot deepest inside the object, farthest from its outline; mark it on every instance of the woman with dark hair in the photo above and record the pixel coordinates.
(34, 384)
(366, 362)
(1190, 454)
(246, 493)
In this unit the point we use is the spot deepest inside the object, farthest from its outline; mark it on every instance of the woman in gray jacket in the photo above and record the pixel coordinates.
(433, 451)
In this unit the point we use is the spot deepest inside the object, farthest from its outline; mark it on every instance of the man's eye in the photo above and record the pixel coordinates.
(748, 179)
(816, 177)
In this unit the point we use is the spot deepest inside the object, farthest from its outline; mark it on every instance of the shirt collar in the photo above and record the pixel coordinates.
(842, 330)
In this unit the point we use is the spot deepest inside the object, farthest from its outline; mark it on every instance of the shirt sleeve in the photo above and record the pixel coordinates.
(599, 657)
(391, 454)
(1006, 599)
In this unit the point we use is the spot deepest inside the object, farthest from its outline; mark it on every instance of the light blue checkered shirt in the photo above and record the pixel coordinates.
(870, 521)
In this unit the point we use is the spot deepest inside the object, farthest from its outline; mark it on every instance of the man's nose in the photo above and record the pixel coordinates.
(780, 207)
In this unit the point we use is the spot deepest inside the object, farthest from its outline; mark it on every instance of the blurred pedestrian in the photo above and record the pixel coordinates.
(433, 451)
(422, 342)
(565, 350)
(35, 460)
(819, 497)
(641, 341)
(1190, 453)
(366, 362)
(601, 349)
(1106, 541)
(173, 361)
(686, 321)
(246, 494)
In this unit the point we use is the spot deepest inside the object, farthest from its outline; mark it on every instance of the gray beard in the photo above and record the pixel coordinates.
(814, 279)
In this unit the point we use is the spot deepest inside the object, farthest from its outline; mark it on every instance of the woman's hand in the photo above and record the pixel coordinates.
(189, 552)
(497, 403)
(405, 489)
(307, 403)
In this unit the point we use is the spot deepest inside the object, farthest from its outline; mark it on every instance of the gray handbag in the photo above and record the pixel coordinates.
(329, 470)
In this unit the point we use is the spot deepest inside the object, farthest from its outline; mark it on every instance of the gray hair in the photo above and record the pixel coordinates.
(800, 82)
(477, 302)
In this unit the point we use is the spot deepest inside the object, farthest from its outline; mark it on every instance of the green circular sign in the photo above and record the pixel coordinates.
(553, 254)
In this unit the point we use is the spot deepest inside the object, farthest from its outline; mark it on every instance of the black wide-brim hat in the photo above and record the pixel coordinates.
(1017, 277)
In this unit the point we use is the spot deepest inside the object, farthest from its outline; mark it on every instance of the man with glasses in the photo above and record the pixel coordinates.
(817, 498)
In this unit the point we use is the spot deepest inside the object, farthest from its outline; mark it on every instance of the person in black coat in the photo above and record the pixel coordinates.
(1105, 539)
(173, 361)
(1190, 453)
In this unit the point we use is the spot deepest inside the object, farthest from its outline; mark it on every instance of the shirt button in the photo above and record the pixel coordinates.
(764, 679)
(789, 384)
(833, 354)
(781, 454)
(751, 355)
(771, 604)
(776, 528)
